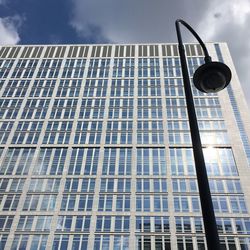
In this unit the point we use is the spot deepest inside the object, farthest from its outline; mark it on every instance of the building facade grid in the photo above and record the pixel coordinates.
(96, 150)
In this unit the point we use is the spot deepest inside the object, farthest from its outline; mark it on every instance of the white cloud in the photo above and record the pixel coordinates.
(229, 21)
(141, 21)
(221, 15)
(9, 30)
(133, 21)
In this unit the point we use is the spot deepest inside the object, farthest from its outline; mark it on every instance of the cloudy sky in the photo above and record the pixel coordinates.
(129, 21)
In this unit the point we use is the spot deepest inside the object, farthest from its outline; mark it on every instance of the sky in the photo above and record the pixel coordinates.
(130, 21)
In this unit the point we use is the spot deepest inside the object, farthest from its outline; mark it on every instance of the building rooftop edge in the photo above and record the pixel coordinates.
(100, 44)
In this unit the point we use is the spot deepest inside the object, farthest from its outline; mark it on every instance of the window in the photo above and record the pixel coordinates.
(82, 223)
(122, 87)
(9, 108)
(5, 223)
(76, 202)
(228, 243)
(149, 87)
(114, 203)
(16, 88)
(162, 242)
(17, 161)
(183, 224)
(34, 202)
(177, 112)
(9, 202)
(34, 223)
(152, 224)
(242, 225)
(103, 224)
(27, 133)
(216, 186)
(117, 161)
(35, 109)
(74, 68)
(98, 68)
(181, 204)
(5, 128)
(148, 67)
(95, 88)
(37, 241)
(115, 185)
(3, 237)
(5, 66)
(179, 185)
(224, 225)
(173, 87)
(208, 112)
(64, 223)
(49, 68)
(211, 125)
(105, 203)
(143, 242)
(92, 108)
(198, 224)
(238, 204)
(88, 132)
(42, 88)
(44, 185)
(176, 138)
(80, 242)
(60, 242)
(101, 242)
(121, 108)
(79, 185)
(83, 161)
(220, 137)
(151, 161)
(123, 68)
(184, 242)
(159, 203)
(69, 88)
(50, 161)
(73, 223)
(11, 185)
(171, 67)
(151, 185)
(219, 161)
(233, 186)
(244, 243)
(58, 132)
(122, 223)
(150, 132)
(121, 242)
(119, 132)
(149, 108)
(63, 109)
(122, 203)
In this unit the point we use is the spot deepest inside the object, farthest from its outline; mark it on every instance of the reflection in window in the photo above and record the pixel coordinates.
(219, 161)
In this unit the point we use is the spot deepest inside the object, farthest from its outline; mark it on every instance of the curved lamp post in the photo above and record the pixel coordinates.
(209, 77)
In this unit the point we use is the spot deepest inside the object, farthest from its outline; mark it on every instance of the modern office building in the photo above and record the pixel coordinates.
(96, 152)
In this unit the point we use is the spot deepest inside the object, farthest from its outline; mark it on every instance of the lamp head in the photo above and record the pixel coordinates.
(212, 77)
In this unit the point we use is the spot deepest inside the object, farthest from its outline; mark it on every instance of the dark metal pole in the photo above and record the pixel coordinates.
(209, 220)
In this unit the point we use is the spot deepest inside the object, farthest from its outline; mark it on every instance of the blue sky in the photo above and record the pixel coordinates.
(130, 21)
(43, 21)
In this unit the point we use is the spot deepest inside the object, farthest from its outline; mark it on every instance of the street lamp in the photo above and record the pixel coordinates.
(209, 77)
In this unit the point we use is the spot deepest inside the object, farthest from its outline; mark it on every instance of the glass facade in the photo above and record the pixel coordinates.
(96, 153)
